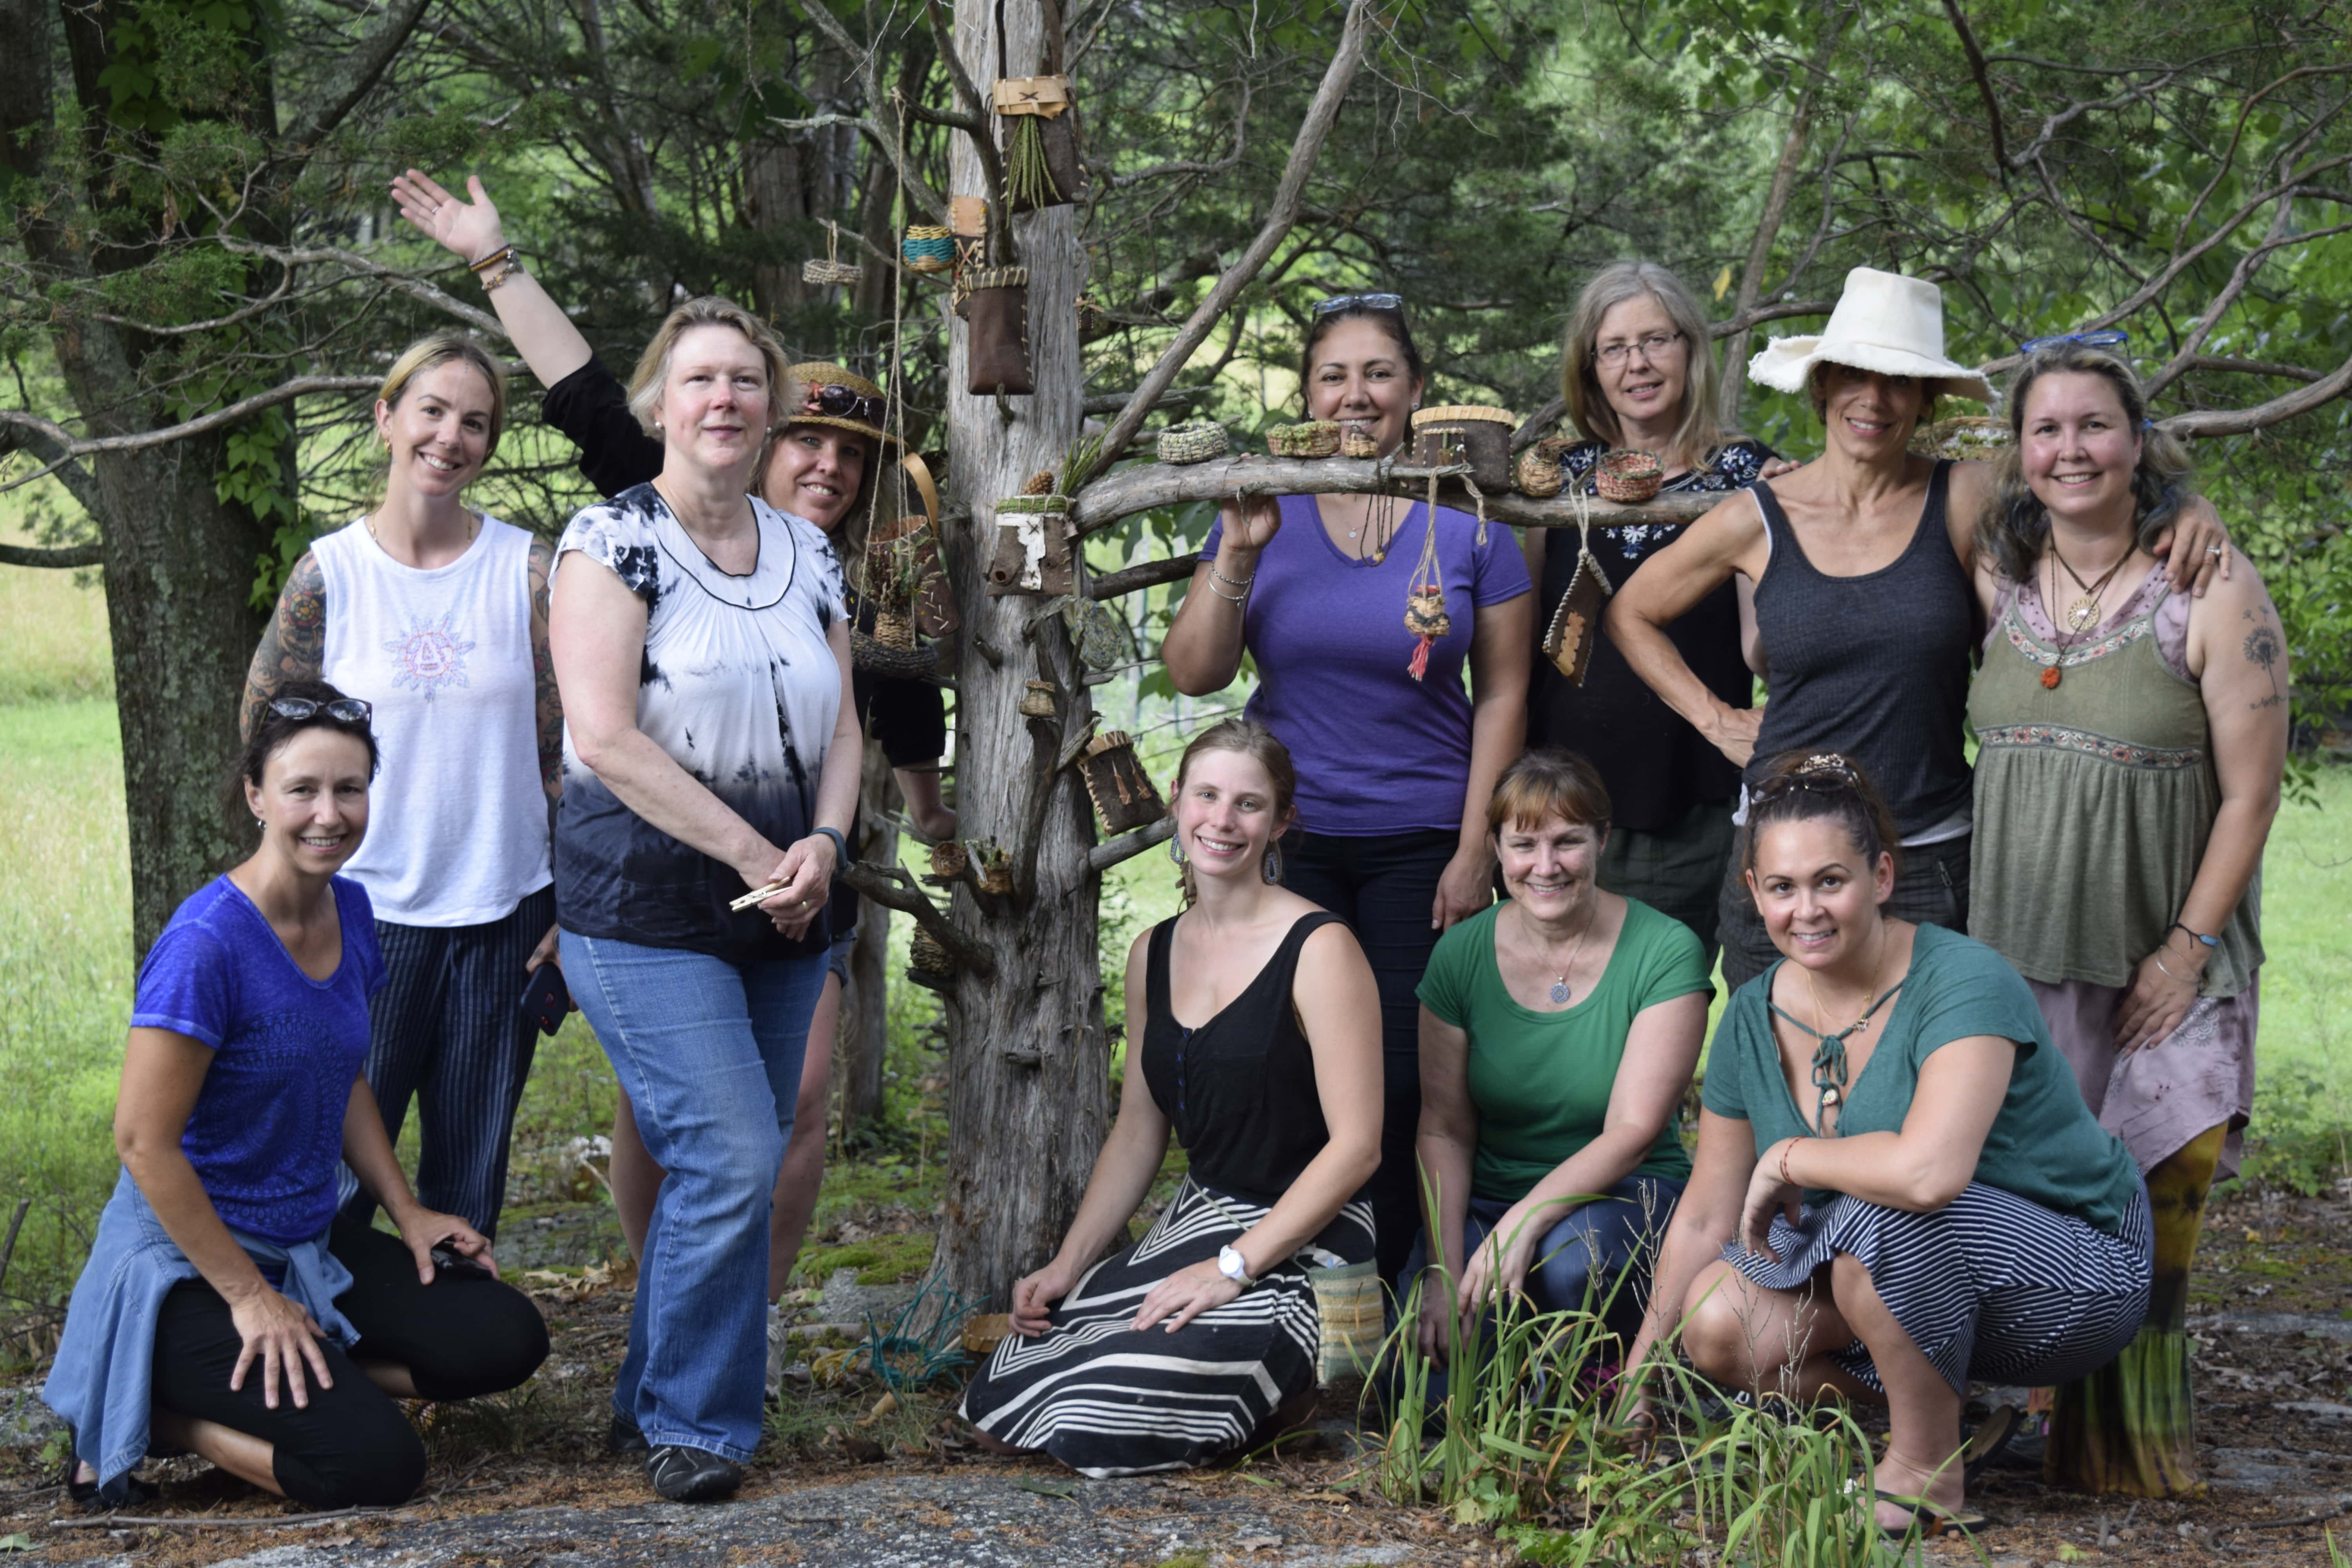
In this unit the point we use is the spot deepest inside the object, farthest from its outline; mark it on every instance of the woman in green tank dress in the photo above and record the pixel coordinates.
(2132, 741)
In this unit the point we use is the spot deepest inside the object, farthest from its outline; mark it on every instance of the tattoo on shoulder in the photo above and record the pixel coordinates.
(2265, 646)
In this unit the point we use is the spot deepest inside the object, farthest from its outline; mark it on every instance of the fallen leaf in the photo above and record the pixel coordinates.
(882, 1406)
(20, 1541)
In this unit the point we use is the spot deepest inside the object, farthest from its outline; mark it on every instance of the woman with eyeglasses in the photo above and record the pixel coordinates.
(226, 1309)
(1394, 767)
(1897, 1186)
(710, 758)
(437, 613)
(822, 465)
(1865, 613)
(1637, 375)
(2131, 745)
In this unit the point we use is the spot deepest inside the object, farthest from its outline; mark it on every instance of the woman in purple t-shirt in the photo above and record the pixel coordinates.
(1394, 769)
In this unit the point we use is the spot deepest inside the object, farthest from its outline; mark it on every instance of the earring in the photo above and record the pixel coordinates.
(1176, 850)
(1272, 863)
(262, 823)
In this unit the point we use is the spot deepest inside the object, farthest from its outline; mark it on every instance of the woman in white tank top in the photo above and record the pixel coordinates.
(437, 615)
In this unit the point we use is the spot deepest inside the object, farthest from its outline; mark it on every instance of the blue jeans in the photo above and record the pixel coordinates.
(709, 1055)
(1585, 1257)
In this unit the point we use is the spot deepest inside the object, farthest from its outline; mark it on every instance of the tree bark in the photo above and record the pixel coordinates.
(862, 1043)
(1029, 1096)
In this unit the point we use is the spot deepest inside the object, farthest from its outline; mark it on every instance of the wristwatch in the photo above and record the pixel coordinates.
(1233, 1266)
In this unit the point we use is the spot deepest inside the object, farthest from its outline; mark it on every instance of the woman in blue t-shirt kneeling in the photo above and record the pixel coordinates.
(1559, 1032)
(223, 1309)
(1898, 1187)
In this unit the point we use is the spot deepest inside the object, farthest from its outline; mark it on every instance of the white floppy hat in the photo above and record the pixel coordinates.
(1883, 322)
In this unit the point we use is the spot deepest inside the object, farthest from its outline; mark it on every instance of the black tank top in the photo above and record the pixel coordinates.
(1240, 1089)
(1875, 667)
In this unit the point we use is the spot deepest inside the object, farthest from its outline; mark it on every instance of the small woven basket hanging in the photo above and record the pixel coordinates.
(949, 860)
(1314, 439)
(1540, 472)
(928, 964)
(1628, 479)
(1038, 700)
(1575, 628)
(832, 270)
(927, 247)
(1122, 790)
(1193, 443)
(1357, 442)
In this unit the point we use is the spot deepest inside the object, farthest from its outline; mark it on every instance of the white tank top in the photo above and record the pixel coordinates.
(457, 817)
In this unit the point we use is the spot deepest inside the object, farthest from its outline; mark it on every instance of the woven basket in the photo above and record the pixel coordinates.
(1355, 442)
(928, 964)
(1628, 478)
(1122, 790)
(995, 872)
(949, 860)
(1037, 701)
(1540, 473)
(1194, 443)
(874, 658)
(927, 247)
(895, 629)
(1314, 439)
(1046, 506)
(1965, 435)
(1469, 433)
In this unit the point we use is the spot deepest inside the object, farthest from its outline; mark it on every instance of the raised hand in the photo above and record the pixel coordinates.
(469, 230)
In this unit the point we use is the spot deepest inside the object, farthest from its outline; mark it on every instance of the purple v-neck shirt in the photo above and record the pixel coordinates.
(1377, 751)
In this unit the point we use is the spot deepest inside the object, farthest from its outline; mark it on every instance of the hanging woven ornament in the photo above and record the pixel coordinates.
(1042, 164)
(1575, 626)
(1540, 473)
(832, 270)
(1424, 603)
(1122, 790)
(927, 247)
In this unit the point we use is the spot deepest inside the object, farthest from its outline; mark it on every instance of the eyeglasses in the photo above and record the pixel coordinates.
(1651, 346)
(342, 710)
(845, 403)
(1359, 302)
(2105, 338)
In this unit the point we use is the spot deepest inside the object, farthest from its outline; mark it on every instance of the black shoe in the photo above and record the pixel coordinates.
(625, 1438)
(86, 1496)
(692, 1475)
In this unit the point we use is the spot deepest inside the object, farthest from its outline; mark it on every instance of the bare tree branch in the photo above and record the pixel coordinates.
(357, 74)
(893, 889)
(1150, 574)
(1146, 486)
(72, 445)
(2239, 421)
(400, 283)
(56, 459)
(919, 191)
(1128, 846)
(1320, 116)
(1984, 84)
(63, 555)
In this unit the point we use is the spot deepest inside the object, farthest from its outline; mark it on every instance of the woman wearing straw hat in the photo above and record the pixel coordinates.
(821, 466)
(1865, 610)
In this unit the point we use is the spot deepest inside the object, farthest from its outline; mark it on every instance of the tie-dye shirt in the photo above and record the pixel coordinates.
(739, 685)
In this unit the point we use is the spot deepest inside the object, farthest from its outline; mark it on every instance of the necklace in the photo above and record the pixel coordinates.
(1379, 515)
(472, 527)
(1829, 1064)
(1560, 992)
(2082, 616)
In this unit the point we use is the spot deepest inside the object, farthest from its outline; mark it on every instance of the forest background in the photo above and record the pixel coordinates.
(204, 277)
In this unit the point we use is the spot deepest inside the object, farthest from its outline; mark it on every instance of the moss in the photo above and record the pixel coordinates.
(879, 1260)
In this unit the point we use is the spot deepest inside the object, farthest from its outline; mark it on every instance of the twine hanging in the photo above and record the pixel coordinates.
(1575, 626)
(832, 270)
(1424, 601)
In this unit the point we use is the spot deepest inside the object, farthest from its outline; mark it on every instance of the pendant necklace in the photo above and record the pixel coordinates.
(1829, 1064)
(2083, 615)
(1560, 992)
(1376, 549)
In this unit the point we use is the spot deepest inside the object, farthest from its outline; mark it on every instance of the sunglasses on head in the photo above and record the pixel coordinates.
(342, 710)
(1359, 302)
(2105, 338)
(845, 403)
(1825, 774)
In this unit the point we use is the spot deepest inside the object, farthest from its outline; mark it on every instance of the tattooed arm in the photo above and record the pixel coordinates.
(294, 645)
(2237, 651)
(550, 710)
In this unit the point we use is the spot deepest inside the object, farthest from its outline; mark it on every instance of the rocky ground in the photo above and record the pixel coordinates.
(849, 1478)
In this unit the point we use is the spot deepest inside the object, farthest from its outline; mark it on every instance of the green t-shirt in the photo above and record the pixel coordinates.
(1540, 1081)
(2045, 1145)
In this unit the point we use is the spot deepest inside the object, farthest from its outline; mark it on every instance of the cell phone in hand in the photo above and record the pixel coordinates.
(449, 1260)
(547, 999)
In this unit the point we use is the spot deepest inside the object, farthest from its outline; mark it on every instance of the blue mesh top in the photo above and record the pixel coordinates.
(266, 1133)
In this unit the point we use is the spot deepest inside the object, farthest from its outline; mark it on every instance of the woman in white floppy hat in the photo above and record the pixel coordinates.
(1865, 609)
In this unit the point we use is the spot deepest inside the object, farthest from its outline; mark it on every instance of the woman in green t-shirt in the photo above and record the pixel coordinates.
(1558, 1032)
(1898, 1186)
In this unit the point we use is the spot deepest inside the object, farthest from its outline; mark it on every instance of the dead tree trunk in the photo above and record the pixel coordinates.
(862, 1042)
(1029, 1099)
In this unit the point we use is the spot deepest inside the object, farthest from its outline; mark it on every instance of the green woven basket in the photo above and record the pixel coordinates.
(1314, 439)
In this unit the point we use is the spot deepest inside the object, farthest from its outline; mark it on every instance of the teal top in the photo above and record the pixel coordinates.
(2044, 1146)
(1540, 1081)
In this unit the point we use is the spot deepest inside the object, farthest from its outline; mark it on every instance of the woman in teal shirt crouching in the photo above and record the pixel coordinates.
(1558, 1032)
(1898, 1186)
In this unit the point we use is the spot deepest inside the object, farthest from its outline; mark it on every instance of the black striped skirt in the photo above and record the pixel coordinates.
(1991, 1287)
(1107, 1401)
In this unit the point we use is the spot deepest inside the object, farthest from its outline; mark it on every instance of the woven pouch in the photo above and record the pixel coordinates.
(1575, 623)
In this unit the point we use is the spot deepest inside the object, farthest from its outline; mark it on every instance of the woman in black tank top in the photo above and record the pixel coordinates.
(1202, 1337)
(1862, 563)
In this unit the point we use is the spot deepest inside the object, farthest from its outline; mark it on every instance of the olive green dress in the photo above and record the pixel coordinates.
(2095, 797)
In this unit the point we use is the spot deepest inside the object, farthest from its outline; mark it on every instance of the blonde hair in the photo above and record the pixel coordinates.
(1254, 741)
(2016, 527)
(708, 311)
(437, 349)
(1700, 433)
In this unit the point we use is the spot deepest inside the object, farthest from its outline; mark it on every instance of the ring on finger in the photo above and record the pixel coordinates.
(2215, 551)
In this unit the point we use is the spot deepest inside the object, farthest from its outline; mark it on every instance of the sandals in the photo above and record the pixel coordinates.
(89, 1498)
(1932, 1522)
(1989, 1442)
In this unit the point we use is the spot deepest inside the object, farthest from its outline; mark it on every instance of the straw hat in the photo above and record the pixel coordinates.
(1884, 322)
(808, 382)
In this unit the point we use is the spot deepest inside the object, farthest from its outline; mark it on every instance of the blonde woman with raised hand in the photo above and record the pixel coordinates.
(435, 613)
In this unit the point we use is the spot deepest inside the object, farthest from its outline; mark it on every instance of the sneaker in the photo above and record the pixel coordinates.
(625, 1438)
(692, 1475)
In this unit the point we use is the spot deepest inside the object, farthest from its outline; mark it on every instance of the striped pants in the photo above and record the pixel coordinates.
(448, 1031)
